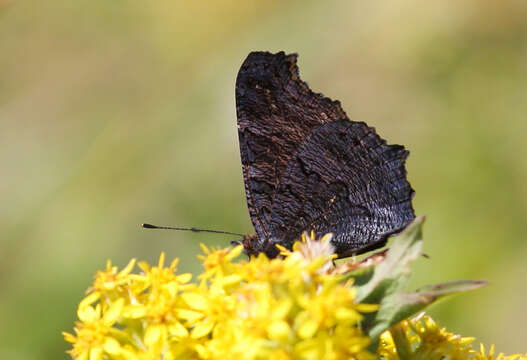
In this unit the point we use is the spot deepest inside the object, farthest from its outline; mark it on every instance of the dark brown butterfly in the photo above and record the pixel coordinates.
(306, 166)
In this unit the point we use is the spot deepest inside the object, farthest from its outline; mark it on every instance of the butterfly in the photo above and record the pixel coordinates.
(306, 166)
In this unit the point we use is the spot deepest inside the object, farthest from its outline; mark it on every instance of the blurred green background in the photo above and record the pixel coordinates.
(115, 113)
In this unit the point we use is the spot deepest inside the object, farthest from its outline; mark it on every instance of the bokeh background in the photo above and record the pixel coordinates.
(115, 113)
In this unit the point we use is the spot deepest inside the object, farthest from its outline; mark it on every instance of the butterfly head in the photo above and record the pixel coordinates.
(253, 245)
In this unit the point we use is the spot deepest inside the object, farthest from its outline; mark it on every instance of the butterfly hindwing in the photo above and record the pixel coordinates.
(346, 180)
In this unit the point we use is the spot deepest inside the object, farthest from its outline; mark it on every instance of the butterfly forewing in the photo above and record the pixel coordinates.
(276, 111)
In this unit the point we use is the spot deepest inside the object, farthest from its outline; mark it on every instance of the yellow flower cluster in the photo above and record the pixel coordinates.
(298, 306)
(286, 308)
(421, 338)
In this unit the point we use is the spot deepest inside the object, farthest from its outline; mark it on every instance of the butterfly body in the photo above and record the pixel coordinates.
(306, 166)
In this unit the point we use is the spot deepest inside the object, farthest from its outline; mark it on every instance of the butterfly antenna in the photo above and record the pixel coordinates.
(150, 226)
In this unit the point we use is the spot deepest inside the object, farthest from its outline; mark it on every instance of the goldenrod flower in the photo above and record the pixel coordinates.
(285, 308)
(483, 355)
(297, 306)
(95, 332)
(421, 338)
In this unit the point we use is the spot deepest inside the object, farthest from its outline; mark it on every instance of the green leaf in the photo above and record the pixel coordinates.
(400, 306)
(391, 274)
(386, 285)
(362, 271)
